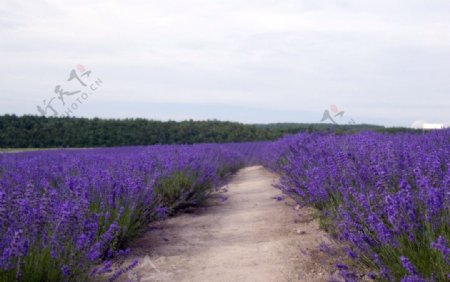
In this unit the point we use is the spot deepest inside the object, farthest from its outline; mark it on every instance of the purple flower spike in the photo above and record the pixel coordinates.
(408, 265)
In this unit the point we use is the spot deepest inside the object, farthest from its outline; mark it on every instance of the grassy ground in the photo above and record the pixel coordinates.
(17, 150)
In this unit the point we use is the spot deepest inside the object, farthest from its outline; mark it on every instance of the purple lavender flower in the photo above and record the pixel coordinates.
(408, 265)
(65, 270)
(162, 211)
(441, 245)
(342, 266)
(413, 278)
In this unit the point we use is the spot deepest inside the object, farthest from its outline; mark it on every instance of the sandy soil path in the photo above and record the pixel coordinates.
(250, 236)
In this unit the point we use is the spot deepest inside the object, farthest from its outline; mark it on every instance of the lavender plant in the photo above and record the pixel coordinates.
(385, 195)
(63, 211)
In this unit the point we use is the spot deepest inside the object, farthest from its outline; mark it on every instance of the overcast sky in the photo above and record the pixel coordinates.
(383, 62)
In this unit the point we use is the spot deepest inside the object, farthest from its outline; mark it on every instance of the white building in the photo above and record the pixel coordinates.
(418, 124)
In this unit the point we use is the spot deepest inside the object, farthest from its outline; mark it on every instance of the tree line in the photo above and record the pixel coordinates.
(59, 132)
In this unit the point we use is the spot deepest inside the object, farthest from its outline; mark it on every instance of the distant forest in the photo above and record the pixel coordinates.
(43, 132)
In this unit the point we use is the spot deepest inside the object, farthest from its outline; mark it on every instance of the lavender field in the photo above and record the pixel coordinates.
(64, 211)
(384, 197)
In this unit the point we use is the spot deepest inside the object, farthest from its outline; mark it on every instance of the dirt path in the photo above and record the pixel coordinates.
(250, 236)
